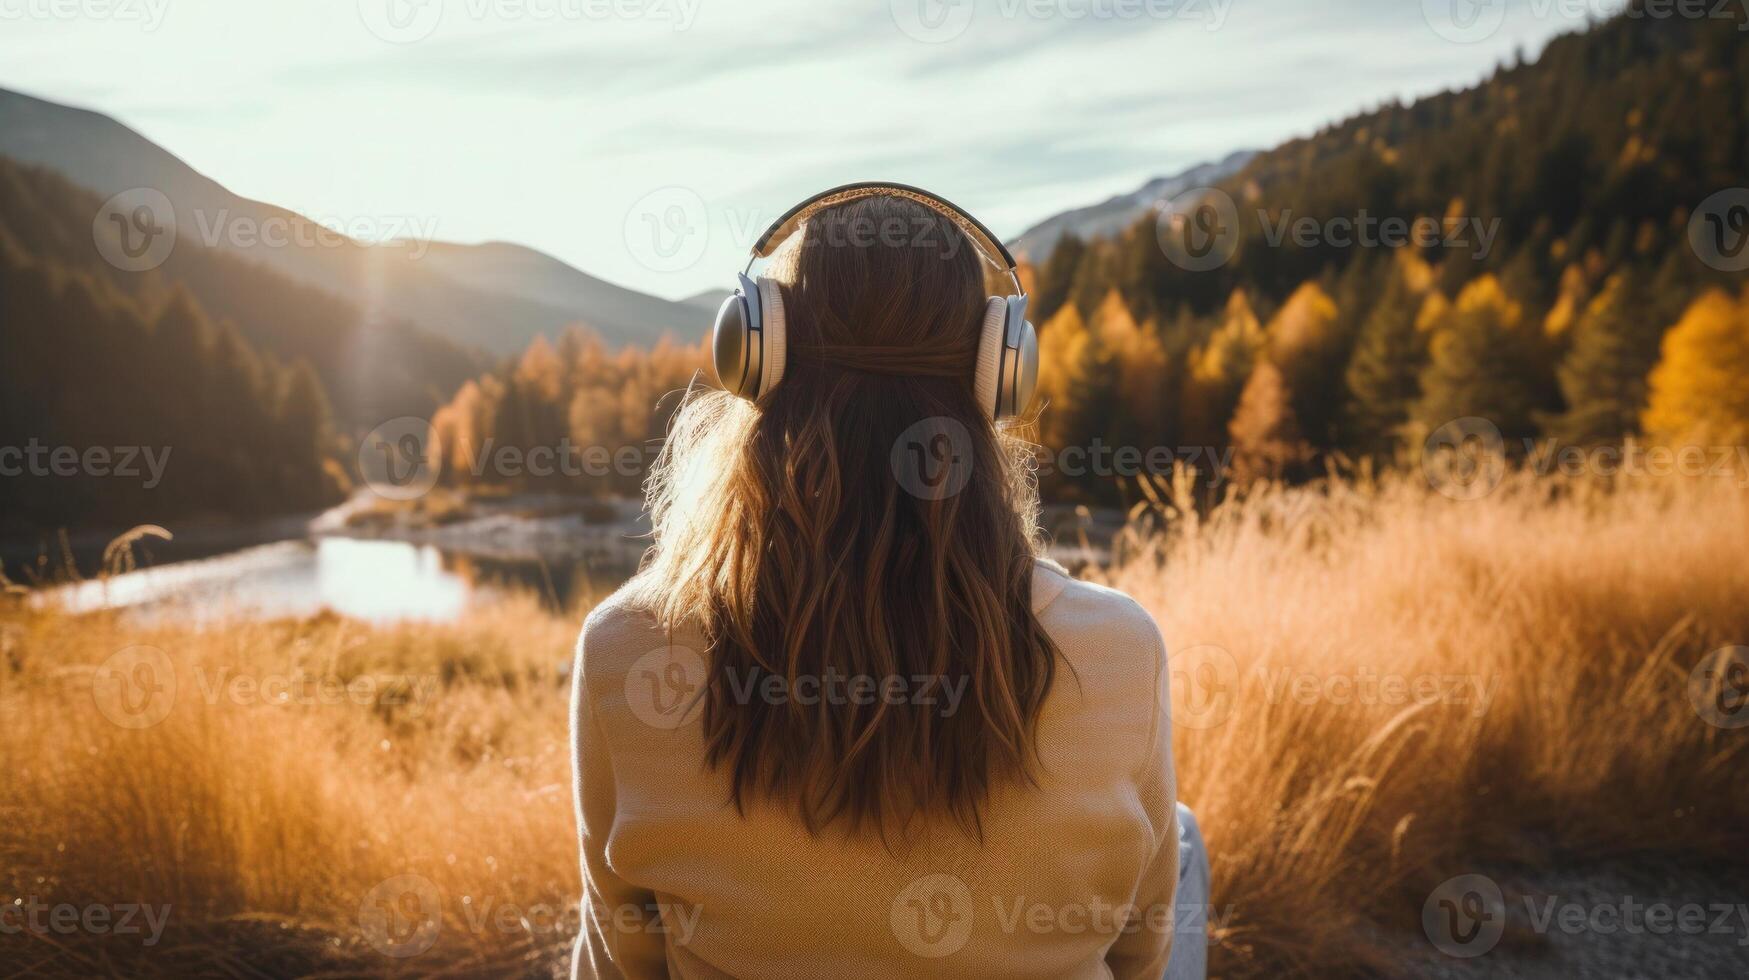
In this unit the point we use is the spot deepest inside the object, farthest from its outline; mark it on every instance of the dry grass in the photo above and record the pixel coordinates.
(265, 826)
(1582, 609)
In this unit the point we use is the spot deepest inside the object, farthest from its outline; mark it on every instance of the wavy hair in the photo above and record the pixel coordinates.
(796, 532)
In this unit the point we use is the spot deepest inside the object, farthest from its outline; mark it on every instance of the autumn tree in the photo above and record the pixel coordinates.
(575, 397)
(1064, 359)
(1306, 346)
(1698, 388)
(1266, 437)
(1218, 372)
(1138, 364)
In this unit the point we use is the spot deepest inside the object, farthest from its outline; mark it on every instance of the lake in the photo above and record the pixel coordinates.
(375, 571)
(300, 567)
(375, 580)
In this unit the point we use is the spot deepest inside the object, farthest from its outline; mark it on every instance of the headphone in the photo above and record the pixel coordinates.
(749, 343)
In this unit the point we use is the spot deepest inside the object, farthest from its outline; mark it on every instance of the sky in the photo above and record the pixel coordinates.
(647, 142)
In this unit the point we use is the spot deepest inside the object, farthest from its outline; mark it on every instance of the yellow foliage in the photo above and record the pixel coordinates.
(1567, 306)
(1484, 293)
(599, 398)
(1433, 310)
(1698, 389)
(1302, 325)
(1230, 351)
(1139, 356)
(540, 368)
(1062, 346)
(1416, 272)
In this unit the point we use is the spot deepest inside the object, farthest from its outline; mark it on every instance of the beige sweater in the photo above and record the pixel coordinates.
(1075, 878)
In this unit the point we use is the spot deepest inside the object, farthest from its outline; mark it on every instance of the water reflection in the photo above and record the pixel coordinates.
(386, 580)
(375, 580)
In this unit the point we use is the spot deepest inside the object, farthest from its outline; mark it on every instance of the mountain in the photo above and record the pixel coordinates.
(493, 296)
(1463, 256)
(1114, 214)
(371, 367)
(1593, 158)
(618, 314)
(708, 300)
(92, 357)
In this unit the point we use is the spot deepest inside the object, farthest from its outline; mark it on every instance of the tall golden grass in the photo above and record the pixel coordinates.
(268, 826)
(1582, 607)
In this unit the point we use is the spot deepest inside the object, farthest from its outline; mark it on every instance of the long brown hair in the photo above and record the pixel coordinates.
(793, 533)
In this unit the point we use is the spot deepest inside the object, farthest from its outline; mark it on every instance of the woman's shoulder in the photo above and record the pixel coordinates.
(625, 627)
(625, 613)
(1118, 660)
(1081, 609)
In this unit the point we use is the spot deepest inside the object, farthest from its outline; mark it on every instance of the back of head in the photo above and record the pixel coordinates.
(864, 532)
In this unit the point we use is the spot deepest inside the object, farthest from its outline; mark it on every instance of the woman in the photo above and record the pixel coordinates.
(845, 722)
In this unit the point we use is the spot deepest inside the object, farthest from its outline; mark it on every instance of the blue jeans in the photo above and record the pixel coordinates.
(1190, 938)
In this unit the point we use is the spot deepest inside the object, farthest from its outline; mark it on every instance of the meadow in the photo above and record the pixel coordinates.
(1376, 687)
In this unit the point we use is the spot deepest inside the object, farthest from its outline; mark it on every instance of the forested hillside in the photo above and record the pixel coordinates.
(127, 408)
(1549, 304)
(495, 296)
(372, 367)
(572, 417)
(1568, 185)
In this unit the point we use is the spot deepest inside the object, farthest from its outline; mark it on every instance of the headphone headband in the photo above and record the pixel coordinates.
(749, 340)
(981, 237)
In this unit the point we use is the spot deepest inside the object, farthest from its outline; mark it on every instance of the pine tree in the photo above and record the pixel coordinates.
(1615, 345)
(1057, 276)
(306, 430)
(1483, 363)
(1219, 369)
(1384, 372)
(1139, 362)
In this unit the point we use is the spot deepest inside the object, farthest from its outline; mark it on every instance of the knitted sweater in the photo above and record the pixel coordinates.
(1075, 876)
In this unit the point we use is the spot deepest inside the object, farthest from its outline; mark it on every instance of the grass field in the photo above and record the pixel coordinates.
(1376, 687)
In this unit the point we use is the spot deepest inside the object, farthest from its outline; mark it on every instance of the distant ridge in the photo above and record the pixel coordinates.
(495, 296)
(708, 300)
(1114, 214)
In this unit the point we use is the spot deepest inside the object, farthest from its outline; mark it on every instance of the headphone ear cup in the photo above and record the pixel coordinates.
(1025, 369)
(986, 379)
(776, 335)
(737, 341)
